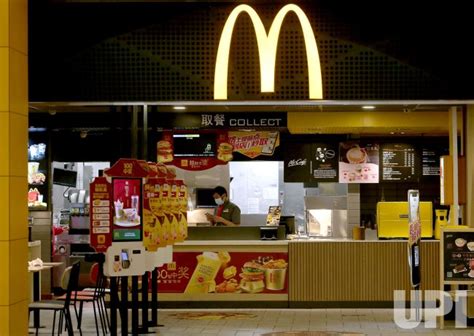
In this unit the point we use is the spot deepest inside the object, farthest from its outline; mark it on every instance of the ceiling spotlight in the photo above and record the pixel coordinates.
(179, 107)
(392, 132)
(368, 107)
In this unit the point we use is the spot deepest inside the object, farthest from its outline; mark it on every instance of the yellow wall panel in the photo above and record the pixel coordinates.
(4, 23)
(4, 138)
(18, 149)
(364, 122)
(18, 82)
(5, 320)
(18, 208)
(4, 79)
(19, 25)
(5, 209)
(19, 270)
(4, 275)
(14, 319)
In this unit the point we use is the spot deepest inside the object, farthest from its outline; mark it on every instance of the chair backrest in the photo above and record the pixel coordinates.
(73, 282)
(65, 277)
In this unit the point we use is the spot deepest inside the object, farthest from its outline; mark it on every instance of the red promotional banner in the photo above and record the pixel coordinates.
(225, 272)
(254, 144)
(128, 168)
(100, 214)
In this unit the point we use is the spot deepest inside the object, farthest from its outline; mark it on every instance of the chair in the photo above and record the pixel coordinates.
(61, 306)
(95, 295)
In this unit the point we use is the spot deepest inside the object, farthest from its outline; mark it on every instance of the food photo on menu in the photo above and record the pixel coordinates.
(459, 257)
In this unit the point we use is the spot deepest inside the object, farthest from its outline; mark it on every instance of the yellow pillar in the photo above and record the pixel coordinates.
(13, 167)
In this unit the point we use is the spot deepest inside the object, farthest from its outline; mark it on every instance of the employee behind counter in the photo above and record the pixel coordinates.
(226, 213)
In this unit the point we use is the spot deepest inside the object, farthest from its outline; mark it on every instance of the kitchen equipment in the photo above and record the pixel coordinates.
(392, 219)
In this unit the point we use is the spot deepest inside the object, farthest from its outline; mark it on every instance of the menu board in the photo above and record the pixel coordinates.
(101, 214)
(398, 162)
(458, 256)
(430, 161)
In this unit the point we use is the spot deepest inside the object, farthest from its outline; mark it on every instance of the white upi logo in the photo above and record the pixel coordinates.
(436, 304)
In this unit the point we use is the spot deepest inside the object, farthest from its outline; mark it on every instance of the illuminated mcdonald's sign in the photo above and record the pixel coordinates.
(267, 49)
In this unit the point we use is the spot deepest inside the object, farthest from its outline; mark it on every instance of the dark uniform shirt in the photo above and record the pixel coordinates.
(231, 212)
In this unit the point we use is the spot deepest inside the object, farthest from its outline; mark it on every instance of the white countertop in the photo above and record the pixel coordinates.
(285, 242)
(233, 242)
(347, 240)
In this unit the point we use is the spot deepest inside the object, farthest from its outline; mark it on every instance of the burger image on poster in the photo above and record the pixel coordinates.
(224, 152)
(165, 152)
(252, 277)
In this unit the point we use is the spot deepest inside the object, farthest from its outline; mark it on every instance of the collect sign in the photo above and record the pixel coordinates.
(222, 120)
(399, 162)
(100, 214)
(225, 272)
(458, 255)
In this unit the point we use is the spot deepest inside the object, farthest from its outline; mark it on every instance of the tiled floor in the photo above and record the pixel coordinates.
(262, 321)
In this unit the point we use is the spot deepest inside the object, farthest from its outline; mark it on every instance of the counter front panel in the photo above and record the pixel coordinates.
(351, 273)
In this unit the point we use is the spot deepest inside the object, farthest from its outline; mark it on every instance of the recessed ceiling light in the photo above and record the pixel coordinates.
(179, 107)
(402, 132)
(368, 107)
(392, 132)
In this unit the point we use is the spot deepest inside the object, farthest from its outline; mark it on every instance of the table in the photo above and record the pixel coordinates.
(37, 286)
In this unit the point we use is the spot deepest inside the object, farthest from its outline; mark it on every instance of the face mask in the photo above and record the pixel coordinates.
(219, 201)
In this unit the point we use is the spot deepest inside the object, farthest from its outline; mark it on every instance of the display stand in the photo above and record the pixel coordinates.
(456, 250)
(134, 216)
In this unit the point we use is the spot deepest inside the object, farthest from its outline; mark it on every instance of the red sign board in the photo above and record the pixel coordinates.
(128, 168)
(225, 272)
(100, 214)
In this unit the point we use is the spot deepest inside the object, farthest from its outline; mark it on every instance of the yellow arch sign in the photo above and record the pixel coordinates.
(267, 48)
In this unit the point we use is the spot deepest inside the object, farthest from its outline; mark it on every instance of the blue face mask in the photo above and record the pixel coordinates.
(219, 201)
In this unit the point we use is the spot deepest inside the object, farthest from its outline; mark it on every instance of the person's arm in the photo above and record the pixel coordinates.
(235, 218)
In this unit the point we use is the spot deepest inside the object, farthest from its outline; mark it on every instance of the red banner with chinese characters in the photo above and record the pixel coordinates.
(253, 144)
(225, 272)
(128, 168)
(194, 150)
(100, 214)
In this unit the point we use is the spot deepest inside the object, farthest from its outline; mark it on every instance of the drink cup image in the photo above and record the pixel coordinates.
(356, 155)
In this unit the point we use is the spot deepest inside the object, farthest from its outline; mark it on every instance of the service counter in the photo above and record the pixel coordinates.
(333, 273)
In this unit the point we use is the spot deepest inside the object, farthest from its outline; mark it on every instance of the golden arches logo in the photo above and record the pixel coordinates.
(267, 49)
